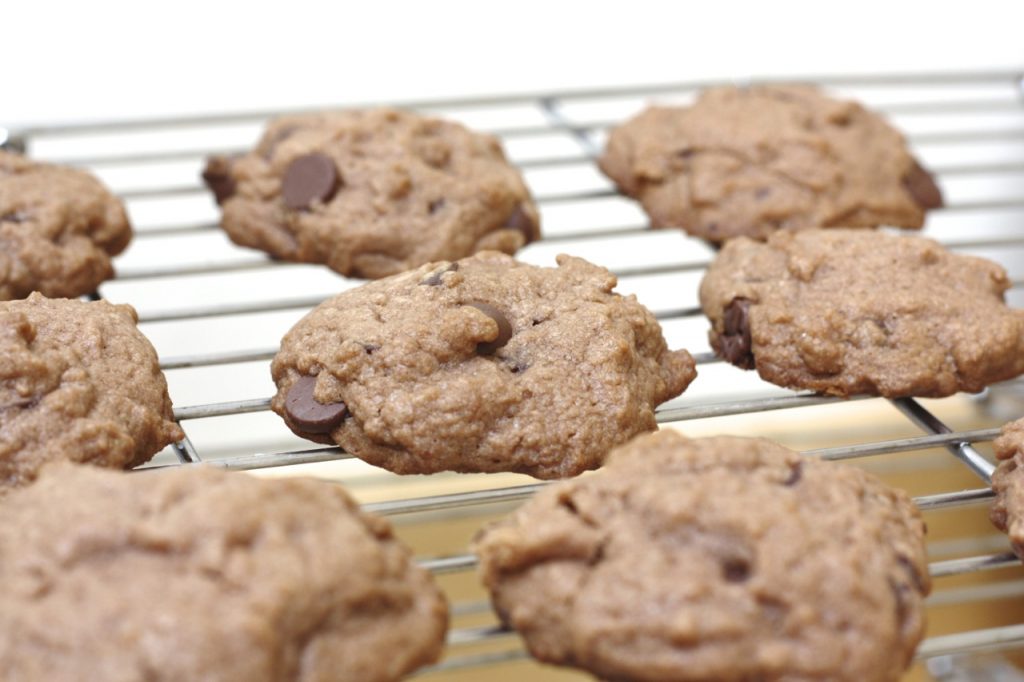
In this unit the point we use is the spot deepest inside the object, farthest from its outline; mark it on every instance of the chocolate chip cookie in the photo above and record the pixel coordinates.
(373, 193)
(1007, 512)
(714, 559)
(848, 312)
(750, 161)
(483, 364)
(78, 382)
(197, 574)
(59, 228)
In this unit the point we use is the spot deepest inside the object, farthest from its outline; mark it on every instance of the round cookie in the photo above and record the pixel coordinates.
(484, 364)
(849, 312)
(750, 161)
(373, 193)
(58, 229)
(199, 574)
(1007, 511)
(714, 559)
(78, 382)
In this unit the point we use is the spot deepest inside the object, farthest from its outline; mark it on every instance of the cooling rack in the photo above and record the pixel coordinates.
(215, 313)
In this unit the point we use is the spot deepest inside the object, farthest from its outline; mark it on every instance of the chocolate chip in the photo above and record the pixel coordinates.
(309, 415)
(504, 329)
(735, 570)
(922, 187)
(371, 348)
(217, 176)
(435, 279)
(685, 152)
(519, 220)
(796, 472)
(762, 192)
(435, 206)
(735, 343)
(309, 178)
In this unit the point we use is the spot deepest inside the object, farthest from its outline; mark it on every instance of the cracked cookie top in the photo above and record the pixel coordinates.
(372, 193)
(200, 574)
(484, 364)
(59, 228)
(849, 312)
(750, 161)
(714, 559)
(78, 382)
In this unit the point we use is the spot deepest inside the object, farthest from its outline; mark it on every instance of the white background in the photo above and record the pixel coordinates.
(97, 59)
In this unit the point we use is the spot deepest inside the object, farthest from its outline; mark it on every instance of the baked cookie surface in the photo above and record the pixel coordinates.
(714, 559)
(198, 574)
(848, 312)
(484, 364)
(750, 161)
(372, 193)
(59, 228)
(1007, 511)
(78, 382)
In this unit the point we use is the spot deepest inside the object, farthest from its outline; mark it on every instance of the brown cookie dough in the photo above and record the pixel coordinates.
(1007, 511)
(373, 193)
(78, 382)
(485, 364)
(198, 574)
(848, 312)
(58, 229)
(750, 161)
(714, 559)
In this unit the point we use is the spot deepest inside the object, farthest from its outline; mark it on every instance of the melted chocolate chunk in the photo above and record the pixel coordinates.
(309, 178)
(217, 176)
(736, 570)
(309, 415)
(504, 329)
(922, 187)
(735, 343)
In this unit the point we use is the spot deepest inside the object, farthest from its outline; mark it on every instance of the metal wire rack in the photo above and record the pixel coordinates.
(198, 302)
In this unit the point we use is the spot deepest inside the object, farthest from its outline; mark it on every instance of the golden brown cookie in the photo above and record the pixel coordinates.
(373, 193)
(750, 161)
(59, 228)
(714, 559)
(78, 382)
(200, 574)
(484, 364)
(849, 312)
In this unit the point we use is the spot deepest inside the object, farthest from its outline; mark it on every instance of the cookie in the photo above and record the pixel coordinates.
(1007, 511)
(199, 574)
(59, 228)
(484, 364)
(848, 312)
(373, 193)
(78, 382)
(714, 559)
(750, 161)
